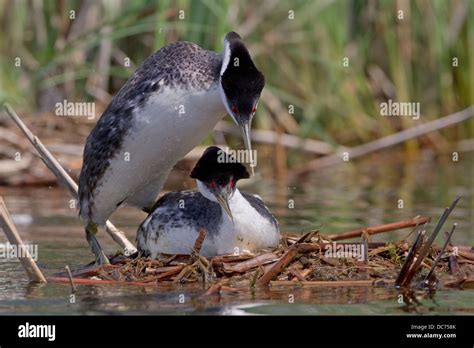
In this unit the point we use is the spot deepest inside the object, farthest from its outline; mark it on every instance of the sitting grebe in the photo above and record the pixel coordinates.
(235, 221)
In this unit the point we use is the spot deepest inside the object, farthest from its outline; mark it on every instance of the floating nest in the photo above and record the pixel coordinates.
(308, 260)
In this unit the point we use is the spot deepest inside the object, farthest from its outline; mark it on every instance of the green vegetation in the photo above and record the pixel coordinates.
(408, 60)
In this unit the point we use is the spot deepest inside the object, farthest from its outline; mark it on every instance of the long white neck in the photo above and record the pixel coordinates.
(248, 230)
(237, 199)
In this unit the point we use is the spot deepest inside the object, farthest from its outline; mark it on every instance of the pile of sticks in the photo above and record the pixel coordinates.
(300, 261)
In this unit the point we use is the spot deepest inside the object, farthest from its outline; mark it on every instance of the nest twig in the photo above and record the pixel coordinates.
(297, 261)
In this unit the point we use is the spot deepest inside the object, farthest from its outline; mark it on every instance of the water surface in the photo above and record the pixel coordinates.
(335, 199)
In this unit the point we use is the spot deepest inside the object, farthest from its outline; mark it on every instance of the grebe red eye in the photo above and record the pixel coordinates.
(212, 184)
(254, 110)
(234, 109)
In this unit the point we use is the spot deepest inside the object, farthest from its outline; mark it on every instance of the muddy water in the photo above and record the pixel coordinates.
(336, 199)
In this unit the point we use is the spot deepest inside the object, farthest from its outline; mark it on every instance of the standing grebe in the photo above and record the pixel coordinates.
(173, 100)
(235, 221)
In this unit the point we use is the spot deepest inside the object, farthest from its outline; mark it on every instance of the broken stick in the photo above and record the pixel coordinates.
(410, 257)
(425, 248)
(64, 178)
(433, 266)
(418, 220)
(31, 268)
(385, 142)
(278, 267)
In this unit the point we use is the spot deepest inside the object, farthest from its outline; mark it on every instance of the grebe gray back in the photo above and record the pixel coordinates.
(171, 102)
